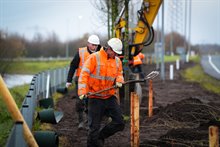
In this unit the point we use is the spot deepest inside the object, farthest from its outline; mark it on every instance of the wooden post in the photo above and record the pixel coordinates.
(151, 59)
(136, 120)
(146, 59)
(135, 108)
(16, 114)
(213, 136)
(150, 100)
(132, 118)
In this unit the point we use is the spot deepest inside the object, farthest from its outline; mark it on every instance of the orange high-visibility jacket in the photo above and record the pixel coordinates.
(137, 60)
(99, 73)
(83, 54)
(141, 55)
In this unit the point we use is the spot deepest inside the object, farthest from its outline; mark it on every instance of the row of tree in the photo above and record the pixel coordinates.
(14, 45)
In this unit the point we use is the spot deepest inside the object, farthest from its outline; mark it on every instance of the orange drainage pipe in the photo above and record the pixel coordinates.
(150, 100)
(16, 114)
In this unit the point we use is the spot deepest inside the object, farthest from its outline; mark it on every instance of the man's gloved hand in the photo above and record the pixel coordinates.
(68, 84)
(81, 97)
(118, 84)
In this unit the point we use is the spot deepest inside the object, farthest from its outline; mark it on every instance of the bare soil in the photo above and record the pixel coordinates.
(183, 112)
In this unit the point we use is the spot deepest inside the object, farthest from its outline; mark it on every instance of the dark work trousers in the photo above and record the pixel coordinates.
(97, 108)
(79, 105)
(138, 69)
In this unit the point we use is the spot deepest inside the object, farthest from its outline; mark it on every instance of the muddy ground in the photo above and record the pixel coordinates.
(183, 111)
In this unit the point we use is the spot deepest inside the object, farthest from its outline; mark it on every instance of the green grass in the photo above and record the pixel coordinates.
(6, 121)
(196, 74)
(33, 67)
(195, 59)
(175, 57)
(171, 58)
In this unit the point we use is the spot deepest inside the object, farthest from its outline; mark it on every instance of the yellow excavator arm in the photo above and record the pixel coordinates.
(143, 33)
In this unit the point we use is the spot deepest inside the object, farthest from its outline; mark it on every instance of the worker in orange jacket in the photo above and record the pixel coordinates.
(137, 64)
(102, 70)
(76, 67)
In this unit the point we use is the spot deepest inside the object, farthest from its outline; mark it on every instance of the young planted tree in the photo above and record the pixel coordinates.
(109, 11)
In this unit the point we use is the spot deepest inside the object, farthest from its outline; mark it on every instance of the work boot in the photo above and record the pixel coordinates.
(80, 118)
(86, 125)
(81, 125)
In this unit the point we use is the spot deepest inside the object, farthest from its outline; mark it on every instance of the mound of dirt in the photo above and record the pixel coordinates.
(184, 123)
(183, 111)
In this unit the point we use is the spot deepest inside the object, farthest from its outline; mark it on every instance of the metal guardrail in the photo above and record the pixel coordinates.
(37, 91)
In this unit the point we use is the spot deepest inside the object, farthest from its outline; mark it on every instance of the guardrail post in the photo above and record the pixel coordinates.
(32, 92)
(48, 89)
(19, 139)
(26, 114)
(60, 76)
(34, 85)
(52, 81)
(63, 74)
(44, 84)
(40, 85)
(55, 79)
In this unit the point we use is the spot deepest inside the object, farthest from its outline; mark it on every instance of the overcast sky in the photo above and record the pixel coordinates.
(70, 19)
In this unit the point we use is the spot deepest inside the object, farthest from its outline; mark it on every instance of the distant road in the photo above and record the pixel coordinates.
(211, 65)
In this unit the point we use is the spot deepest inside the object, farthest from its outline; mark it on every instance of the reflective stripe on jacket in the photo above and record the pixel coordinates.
(99, 73)
(83, 54)
(137, 60)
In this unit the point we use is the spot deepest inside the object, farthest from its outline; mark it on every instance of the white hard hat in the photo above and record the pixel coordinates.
(94, 39)
(116, 45)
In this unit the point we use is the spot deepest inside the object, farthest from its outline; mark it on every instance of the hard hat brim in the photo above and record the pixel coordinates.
(118, 52)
